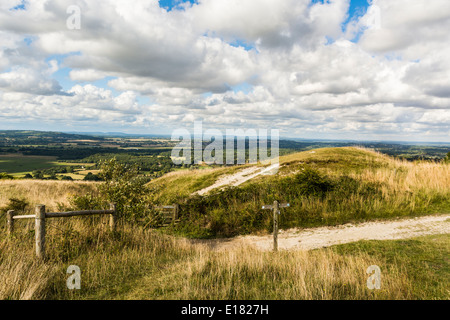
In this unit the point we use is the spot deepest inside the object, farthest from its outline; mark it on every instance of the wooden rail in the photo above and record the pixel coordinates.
(77, 213)
(40, 217)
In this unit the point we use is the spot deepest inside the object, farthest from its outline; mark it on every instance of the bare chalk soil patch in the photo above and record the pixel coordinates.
(314, 238)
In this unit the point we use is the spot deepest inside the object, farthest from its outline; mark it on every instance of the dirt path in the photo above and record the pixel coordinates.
(238, 178)
(307, 239)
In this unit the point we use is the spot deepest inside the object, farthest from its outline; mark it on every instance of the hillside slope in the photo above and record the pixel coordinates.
(186, 182)
(327, 186)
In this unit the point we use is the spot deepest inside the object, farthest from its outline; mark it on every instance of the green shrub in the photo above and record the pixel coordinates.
(123, 186)
(87, 202)
(315, 198)
(15, 204)
(91, 177)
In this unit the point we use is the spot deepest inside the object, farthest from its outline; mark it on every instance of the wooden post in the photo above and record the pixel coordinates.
(176, 209)
(10, 216)
(40, 231)
(113, 217)
(276, 211)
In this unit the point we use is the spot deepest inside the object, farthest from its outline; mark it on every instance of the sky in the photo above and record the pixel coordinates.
(315, 69)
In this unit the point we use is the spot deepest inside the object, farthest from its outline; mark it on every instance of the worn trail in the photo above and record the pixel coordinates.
(313, 238)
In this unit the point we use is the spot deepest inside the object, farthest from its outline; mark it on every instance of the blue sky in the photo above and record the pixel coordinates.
(170, 4)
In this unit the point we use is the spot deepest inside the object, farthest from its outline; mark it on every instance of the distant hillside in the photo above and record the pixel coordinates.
(20, 137)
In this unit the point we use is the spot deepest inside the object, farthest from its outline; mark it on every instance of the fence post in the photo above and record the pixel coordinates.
(10, 216)
(276, 209)
(40, 231)
(113, 217)
(176, 209)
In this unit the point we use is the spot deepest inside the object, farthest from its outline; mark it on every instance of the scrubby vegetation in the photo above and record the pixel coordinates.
(327, 187)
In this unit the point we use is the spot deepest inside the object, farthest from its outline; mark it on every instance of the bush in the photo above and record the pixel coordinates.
(37, 174)
(121, 185)
(87, 202)
(16, 205)
(91, 177)
(311, 182)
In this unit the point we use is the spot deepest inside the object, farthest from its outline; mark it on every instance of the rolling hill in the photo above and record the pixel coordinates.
(328, 186)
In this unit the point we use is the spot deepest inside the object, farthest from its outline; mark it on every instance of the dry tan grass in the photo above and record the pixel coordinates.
(143, 264)
(21, 276)
(49, 193)
(245, 273)
(403, 181)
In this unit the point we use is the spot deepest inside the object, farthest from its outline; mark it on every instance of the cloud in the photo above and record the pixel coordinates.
(29, 80)
(303, 73)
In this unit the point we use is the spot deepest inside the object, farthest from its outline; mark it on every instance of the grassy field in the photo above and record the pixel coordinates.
(19, 165)
(53, 194)
(179, 185)
(138, 263)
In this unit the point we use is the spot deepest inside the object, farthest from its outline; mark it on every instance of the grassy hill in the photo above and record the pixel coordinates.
(327, 186)
(324, 187)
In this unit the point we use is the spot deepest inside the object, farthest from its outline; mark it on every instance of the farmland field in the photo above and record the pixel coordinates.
(19, 164)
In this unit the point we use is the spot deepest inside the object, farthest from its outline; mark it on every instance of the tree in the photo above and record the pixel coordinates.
(53, 176)
(124, 187)
(38, 174)
(91, 177)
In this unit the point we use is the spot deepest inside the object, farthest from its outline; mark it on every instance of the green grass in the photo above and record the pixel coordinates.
(342, 160)
(425, 260)
(19, 165)
(177, 186)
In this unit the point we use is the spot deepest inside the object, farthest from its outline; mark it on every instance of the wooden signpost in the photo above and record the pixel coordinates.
(276, 211)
